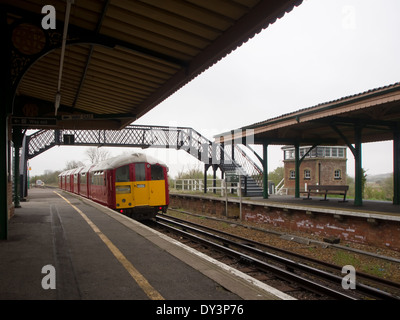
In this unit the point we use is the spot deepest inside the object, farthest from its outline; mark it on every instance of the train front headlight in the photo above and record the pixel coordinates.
(123, 189)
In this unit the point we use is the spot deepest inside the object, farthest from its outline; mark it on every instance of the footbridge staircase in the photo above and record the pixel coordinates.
(228, 158)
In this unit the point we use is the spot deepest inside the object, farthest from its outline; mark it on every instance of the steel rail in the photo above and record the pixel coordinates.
(364, 276)
(279, 272)
(289, 264)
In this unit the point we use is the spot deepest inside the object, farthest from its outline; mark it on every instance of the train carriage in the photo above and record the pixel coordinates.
(135, 184)
(65, 181)
(75, 180)
(83, 181)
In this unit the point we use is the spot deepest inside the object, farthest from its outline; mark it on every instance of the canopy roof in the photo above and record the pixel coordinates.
(376, 112)
(122, 57)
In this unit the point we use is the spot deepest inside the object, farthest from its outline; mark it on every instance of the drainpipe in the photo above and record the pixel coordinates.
(64, 40)
(319, 173)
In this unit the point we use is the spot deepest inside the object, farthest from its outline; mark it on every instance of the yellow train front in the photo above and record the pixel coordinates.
(141, 186)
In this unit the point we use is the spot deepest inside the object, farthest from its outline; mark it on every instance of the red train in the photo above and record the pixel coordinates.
(135, 184)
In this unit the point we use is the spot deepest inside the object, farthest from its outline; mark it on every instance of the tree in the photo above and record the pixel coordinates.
(96, 155)
(191, 173)
(73, 164)
(48, 177)
(277, 175)
(363, 180)
(387, 187)
(351, 183)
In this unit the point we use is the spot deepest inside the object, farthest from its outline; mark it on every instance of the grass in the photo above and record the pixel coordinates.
(343, 258)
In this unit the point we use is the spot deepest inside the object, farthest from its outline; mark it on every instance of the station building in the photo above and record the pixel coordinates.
(323, 165)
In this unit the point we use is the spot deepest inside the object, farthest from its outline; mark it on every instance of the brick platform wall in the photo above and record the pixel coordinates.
(375, 232)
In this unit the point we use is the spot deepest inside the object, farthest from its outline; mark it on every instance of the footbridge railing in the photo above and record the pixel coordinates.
(226, 157)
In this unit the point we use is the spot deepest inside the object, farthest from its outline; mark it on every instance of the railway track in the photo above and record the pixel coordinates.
(296, 270)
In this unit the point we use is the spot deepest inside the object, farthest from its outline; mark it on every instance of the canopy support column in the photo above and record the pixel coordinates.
(358, 201)
(206, 166)
(215, 167)
(4, 210)
(17, 137)
(5, 106)
(297, 169)
(396, 166)
(265, 170)
(356, 151)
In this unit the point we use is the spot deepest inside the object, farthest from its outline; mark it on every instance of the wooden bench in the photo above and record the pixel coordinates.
(325, 190)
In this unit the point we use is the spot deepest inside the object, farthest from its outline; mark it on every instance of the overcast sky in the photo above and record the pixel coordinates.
(321, 51)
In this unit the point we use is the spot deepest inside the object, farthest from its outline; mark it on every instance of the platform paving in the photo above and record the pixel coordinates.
(99, 254)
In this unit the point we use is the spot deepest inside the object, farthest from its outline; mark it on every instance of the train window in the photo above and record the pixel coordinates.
(83, 178)
(122, 174)
(140, 172)
(157, 172)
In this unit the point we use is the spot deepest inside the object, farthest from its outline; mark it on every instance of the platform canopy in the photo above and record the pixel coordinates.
(376, 112)
(121, 58)
(369, 116)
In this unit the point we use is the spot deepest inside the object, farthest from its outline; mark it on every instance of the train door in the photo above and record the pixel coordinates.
(140, 185)
(111, 188)
(157, 186)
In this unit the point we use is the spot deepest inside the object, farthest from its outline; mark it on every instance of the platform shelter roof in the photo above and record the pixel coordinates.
(376, 112)
(121, 58)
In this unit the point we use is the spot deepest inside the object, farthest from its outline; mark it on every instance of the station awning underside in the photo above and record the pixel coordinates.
(376, 112)
(122, 58)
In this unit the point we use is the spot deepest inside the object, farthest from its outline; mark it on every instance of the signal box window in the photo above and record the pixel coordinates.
(338, 174)
(157, 173)
(122, 174)
(140, 172)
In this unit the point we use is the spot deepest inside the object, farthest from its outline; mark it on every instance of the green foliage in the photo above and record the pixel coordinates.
(381, 189)
(363, 180)
(277, 175)
(191, 173)
(48, 177)
(342, 258)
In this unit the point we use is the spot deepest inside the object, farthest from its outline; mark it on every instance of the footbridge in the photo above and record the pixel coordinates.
(227, 157)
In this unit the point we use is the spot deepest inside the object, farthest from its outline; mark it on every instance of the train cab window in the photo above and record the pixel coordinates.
(140, 172)
(122, 174)
(157, 172)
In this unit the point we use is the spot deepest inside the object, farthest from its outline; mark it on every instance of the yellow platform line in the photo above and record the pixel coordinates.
(152, 293)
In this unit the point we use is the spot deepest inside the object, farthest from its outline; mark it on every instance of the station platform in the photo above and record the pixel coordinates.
(383, 210)
(375, 223)
(95, 253)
